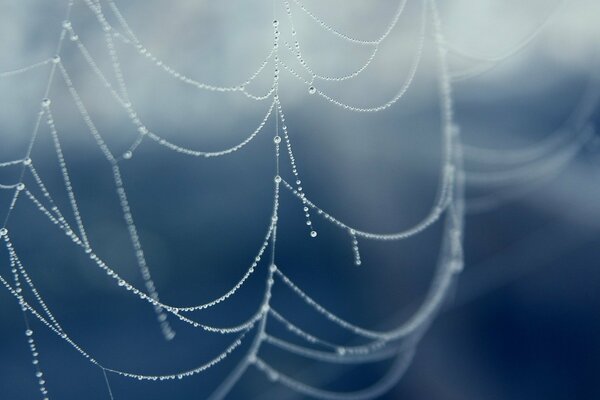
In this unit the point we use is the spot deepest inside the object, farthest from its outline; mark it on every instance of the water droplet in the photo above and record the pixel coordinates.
(277, 139)
(277, 178)
(27, 161)
(46, 102)
(127, 155)
(313, 233)
(20, 186)
(74, 38)
(66, 24)
(28, 332)
(312, 90)
(275, 23)
(56, 59)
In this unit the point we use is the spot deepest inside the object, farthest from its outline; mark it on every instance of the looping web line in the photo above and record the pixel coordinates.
(401, 92)
(348, 38)
(27, 68)
(378, 345)
(136, 120)
(538, 163)
(55, 327)
(143, 50)
(297, 51)
(129, 287)
(566, 135)
(487, 63)
(436, 212)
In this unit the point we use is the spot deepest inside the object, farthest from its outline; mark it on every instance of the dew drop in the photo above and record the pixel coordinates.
(46, 102)
(312, 90)
(313, 233)
(28, 332)
(127, 155)
(277, 139)
(56, 59)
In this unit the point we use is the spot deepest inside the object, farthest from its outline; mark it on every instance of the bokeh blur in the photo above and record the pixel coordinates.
(520, 324)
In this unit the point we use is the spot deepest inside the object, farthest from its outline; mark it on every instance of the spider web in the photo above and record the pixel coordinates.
(504, 173)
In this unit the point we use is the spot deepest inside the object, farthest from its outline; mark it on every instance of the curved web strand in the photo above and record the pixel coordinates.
(486, 62)
(35, 355)
(64, 336)
(143, 129)
(297, 52)
(44, 103)
(490, 202)
(582, 113)
(399, 94)
(359, 350)
(24, 69)
(451, 262)
(166, 330)
(383, 386)
(129, 218)
(9, 163)
(442, 203)
(521, 44)
(338, 357)
(350, 39)
(154, 301)
(133, 40)
(536, 169)
(129, 287)
(135, 241)
(208, 154)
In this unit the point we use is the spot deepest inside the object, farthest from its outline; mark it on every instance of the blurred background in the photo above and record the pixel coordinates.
(522, 321)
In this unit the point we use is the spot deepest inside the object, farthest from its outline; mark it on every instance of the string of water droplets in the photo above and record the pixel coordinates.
(399, 342)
